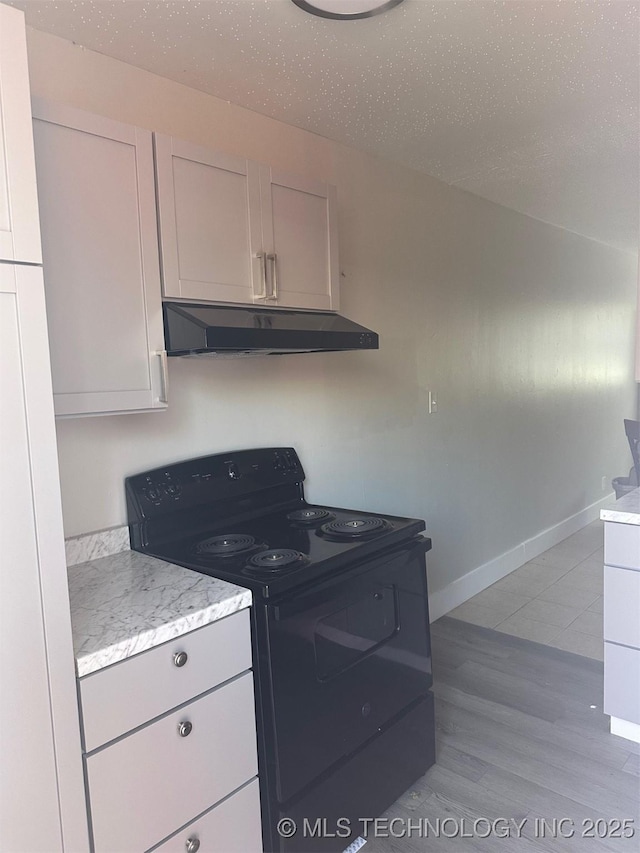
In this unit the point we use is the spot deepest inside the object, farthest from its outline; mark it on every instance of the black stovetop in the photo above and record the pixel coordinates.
(244, 499)
(272, 533)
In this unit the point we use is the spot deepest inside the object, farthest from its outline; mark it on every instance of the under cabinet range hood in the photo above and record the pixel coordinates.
(193, 329)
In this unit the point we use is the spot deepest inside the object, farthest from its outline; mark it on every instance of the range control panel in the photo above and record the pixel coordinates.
(224, 476)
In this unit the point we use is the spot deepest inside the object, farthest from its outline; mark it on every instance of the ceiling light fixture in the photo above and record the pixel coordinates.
(346, 10)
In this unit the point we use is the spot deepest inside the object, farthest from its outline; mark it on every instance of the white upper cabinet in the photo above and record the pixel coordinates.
(210, 236)
(234, 231)
(301, 241)
(101, 262)
(19, 231)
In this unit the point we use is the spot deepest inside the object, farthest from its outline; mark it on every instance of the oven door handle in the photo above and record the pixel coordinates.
(307, 599)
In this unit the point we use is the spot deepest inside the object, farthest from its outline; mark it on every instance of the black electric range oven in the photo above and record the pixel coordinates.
(340, 632)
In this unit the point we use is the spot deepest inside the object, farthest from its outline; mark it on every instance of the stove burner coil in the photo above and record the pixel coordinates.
(309, 515)
(354, 528)
(226, 545)
(276, 560)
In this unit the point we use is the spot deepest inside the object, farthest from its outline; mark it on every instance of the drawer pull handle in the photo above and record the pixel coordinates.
(180, 658)
(192, 845)
(184, 728)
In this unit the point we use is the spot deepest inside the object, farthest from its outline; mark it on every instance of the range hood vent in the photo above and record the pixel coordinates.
(193, 329)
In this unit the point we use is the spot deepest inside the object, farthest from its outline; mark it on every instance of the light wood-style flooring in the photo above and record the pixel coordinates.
(555, 599)
(521, 734)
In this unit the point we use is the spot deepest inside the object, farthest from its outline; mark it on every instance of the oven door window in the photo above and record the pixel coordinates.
(354, 631)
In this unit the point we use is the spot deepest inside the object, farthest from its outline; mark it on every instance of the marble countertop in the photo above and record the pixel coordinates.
(128, 602)
(626, 510)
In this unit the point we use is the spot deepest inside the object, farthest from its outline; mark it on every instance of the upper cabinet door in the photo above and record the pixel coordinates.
(101, 263)
(19, 227)
(300, 235)
(210, 235)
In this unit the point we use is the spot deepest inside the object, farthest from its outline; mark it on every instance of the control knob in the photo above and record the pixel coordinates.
(233, 472)
(173, 490)
(152, 493)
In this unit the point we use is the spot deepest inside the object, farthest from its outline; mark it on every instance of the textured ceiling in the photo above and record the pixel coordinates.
(531, 104)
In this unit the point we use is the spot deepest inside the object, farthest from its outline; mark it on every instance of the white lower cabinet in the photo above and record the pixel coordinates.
(189, 773)
(233, 826)
(622, 682)
(622, 545)
(622, 606)
(123, 697)
(145, 785)
(622, 628)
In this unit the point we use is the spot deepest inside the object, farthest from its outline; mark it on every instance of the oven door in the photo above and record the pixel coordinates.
(345, 657)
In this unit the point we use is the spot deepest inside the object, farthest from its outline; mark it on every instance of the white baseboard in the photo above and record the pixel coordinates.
(623, 728)
(461, 589)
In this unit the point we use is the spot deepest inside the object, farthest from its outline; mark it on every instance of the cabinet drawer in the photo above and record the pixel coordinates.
(622, 682)
(145, 785)
(231, 827)
(622, 606)
(622, 545)
(130, 693)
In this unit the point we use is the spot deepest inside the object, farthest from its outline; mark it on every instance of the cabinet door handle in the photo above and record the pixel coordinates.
(164, 395)
(185, 728)
(180, 658)
(262, 256)
(274, 277)
(192, 845)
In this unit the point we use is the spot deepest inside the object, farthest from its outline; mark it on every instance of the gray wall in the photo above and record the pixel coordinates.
(524, 330)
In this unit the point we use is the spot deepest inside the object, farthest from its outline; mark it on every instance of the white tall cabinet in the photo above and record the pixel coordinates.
(19, 227)
(42, 802)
